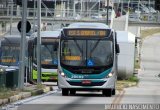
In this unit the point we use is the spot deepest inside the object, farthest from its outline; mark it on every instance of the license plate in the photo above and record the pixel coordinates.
(86, 82)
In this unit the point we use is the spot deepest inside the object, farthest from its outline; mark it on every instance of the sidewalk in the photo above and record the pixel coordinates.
(29, 90)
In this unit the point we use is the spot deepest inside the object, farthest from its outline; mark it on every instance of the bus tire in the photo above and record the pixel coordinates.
(114, 91)
(107, 92)
(65, 92)
(72, 92)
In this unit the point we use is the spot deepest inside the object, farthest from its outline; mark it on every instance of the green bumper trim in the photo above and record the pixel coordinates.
(46, 75)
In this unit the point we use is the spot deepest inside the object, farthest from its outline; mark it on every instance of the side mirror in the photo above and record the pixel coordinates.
(56, 45)
(117, 48)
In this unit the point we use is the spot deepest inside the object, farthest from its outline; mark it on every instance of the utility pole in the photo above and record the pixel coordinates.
(22, 45)
(81, 8)
(68, 9)
(34, 15)
(107, 10)
(11, 17)
(55, 11)
(39, 43)
(128, 6)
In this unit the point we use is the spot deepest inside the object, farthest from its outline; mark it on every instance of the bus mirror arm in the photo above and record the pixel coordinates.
(55, 46)
(117, 48)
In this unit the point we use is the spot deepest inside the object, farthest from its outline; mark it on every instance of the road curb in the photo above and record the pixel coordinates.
(4, 101)
(23, 95)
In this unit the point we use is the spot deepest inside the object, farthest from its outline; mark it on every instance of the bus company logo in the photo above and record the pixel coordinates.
(86, 76)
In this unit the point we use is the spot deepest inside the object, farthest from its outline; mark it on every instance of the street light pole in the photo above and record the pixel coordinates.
(11, 17)
(34, 15)
(22, 45)
(39, 43)
(107, 10)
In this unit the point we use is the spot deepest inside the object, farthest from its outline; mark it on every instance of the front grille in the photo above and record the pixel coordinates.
(80, 83)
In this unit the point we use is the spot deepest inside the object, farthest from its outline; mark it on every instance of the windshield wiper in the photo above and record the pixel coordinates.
(92, 50)
(78, 46)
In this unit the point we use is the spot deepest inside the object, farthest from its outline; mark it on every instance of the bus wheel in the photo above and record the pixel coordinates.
(107, 92)
(113, 92)
(65, 92)
(72, 92)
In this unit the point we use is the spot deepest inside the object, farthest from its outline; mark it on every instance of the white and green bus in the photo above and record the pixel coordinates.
(49, 58)
(87, 58)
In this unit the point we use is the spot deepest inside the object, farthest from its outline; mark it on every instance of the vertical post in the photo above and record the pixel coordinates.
(39, 43)
(149, 5)
(22, 46)
(122, 7)
(99, 6)
(55, 11)
(68, 9)
(107, 10)
(74, 11)
(34, 15)
(138, 5)
(81, 8)
(128, 6)
(61, 9)
(64, 10)
(11, 17)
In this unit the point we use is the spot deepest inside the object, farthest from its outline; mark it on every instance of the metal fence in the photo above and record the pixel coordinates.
(145, 17)
(78, 14)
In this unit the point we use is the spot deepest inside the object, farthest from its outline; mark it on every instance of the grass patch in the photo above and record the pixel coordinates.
(149, 32)
(6, 92)
(40, 86)
(33, 89)
(131, 81)
(137, 64)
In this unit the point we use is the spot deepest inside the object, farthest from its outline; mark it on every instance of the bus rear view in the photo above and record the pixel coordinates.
(87, 59)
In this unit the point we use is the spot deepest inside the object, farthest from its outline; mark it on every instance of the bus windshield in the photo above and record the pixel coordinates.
(49, 54)
(87, 53)
(10, 55)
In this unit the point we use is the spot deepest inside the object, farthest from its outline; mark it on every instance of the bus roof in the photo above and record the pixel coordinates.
(89, 25)
(55, 34)
(14, 39)
(11, 39)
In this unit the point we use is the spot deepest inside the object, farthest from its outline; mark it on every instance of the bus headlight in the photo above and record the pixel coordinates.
(109, 75)
(1, 70)
(62, 74)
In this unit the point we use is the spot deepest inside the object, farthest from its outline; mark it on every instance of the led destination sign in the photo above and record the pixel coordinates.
(86, 33)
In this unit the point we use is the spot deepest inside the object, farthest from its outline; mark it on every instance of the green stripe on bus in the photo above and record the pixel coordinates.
(47, 77)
